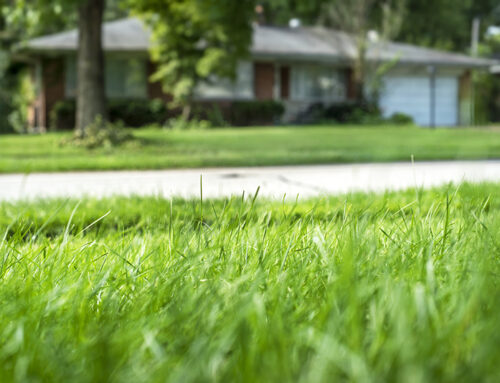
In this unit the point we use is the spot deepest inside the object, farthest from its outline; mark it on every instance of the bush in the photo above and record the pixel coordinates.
(137, 113)
(179, 123)
(245, 113)
(314, 113)
(62, 115)
(401, 119)
(133, 113)
(100, 134)
(213, 113)
(17, 93)
(239, 113)
(354, 113)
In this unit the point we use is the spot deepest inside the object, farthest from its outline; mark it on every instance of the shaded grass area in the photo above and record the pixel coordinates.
(369, 288)
(161, 149)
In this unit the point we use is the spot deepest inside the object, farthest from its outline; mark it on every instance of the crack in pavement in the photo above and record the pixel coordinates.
(301, 184)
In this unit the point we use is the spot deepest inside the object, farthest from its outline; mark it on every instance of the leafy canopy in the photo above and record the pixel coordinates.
(195, 40)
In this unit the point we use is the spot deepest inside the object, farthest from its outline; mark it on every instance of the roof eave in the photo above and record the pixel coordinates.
(324, 58)
(71, 50)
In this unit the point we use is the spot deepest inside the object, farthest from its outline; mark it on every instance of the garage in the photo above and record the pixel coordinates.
(412, 95)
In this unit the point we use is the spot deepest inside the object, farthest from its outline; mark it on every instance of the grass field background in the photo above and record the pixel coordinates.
(162, 149)
(367, 288)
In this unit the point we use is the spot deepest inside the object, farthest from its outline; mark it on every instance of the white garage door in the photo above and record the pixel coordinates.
(411, 95)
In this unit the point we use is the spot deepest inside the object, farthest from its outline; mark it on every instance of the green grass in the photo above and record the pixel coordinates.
(160, 149)
(401, 287)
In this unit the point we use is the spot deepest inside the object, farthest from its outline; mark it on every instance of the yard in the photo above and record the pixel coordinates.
(367, 288)
(161, 149)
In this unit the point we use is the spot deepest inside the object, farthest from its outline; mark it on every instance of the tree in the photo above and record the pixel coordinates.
(279, 12)
(91, 96)
(446, 24)
(28, 18)
(358, 17)
(196, 40)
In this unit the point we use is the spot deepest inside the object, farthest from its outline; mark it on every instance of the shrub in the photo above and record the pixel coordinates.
(100, 134)
(239, 113)
(214, 113)
(179, 123)
(137, 113)
(133, 113)
(401, 119)
(354, 113)
(17, 93)
(244, 113)
(62, 115)
(314, 113)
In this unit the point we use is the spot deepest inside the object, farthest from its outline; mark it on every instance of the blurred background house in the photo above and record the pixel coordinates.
(300, 67)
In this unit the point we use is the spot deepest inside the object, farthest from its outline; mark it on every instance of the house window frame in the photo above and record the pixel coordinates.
(300, 74)
(71, 76)
(226, 89)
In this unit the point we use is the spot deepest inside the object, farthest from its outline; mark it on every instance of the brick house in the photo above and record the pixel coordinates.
(297, 66)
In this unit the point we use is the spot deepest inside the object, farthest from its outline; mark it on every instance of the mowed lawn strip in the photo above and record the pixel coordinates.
(366, 288)
(162, 149)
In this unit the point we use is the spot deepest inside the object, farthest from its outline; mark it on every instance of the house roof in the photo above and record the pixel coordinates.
(121, 35)
(303, 43)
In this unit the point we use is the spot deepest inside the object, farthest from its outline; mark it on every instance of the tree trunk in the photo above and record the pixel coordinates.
(91, 98)
(186, 111)
(360, 68)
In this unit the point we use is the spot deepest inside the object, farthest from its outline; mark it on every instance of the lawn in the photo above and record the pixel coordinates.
(161, 149)
(399, 287)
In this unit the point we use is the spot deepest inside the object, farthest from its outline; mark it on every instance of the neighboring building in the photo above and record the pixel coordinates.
(298, 66)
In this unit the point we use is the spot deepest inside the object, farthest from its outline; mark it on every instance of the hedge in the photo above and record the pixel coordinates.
(240, 113)
(133, 113)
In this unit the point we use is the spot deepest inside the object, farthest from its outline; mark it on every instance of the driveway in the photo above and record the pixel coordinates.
(274, 182)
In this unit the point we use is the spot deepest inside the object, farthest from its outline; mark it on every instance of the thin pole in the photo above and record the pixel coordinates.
(432, 72)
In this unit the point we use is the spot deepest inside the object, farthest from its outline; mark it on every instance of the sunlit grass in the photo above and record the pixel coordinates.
(367, 288)
(162, 149)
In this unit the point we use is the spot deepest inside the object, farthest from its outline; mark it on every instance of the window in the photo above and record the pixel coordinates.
(241, 88)
(317, 83)
(125, 77)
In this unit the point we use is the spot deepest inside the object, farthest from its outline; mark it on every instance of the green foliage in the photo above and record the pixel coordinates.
(132, 113)
(248, 113)
(24, 19)
(100, 134)
(212, 113)
(279, 12)
(179, 123)
(195, 40)
(137, 113)
(23, 95)
(395, 287)
(446, 23)
(362, 114)
(487, 98)
(241, 113)
(401, 119)
(353, 113)
(6, 101)
(62, 115)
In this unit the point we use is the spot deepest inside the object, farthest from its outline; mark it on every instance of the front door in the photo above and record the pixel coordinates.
(264, 81)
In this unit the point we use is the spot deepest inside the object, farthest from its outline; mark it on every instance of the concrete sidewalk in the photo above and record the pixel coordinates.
(274, 182)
